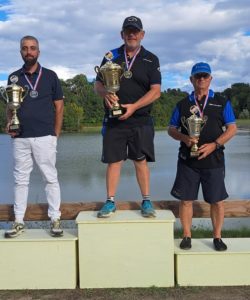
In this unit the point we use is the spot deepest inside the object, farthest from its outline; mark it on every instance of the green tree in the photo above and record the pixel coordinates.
(73, 114)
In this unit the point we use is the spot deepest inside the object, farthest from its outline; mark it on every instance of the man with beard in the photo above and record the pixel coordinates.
(41, 116)
(131, 135)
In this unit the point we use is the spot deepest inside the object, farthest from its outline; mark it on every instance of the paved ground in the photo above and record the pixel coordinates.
(177, 293)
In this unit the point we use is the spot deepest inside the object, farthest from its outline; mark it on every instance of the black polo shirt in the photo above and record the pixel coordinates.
(37, 115)
(145, 72)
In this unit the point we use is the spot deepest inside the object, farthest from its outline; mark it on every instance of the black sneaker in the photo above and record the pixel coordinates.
(186, 243)
(219, 245)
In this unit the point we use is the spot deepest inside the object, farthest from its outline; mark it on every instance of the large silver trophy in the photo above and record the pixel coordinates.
(13, 95)
(111, 74)
(194, 125)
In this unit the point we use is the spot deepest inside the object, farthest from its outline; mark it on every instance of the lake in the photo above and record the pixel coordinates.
(82, 175)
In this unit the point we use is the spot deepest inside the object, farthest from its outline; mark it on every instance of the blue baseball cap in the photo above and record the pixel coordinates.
(201, 67)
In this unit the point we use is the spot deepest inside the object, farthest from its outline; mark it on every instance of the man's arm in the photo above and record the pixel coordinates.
(59, 106)
(152, 95)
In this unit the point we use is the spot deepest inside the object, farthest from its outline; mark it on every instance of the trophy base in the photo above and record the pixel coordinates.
(116, 113)
(194, 153)
(14, 128)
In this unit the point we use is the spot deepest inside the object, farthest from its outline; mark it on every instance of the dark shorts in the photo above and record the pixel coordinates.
(135, 143)
(188, 180)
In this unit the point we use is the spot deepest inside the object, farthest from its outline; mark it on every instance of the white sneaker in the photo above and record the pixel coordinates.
(17, 229)
(55, 228)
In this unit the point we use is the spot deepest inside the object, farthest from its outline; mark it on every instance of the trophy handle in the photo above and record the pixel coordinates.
(4, 94)
(123, 66)
(183, 121)
(25, 91)
(99, 74)
(204, 119)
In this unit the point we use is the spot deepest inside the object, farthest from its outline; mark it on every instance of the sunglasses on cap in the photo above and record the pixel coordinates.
(201, 75)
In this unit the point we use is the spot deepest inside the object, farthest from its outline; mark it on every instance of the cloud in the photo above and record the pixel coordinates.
(74, 35)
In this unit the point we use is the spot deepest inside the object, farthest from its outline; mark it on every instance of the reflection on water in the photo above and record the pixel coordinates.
(82, 175)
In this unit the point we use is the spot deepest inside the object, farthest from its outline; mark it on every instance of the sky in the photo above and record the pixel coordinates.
(74, 35)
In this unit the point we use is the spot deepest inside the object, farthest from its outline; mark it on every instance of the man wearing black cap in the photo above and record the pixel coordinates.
(131, 135)
(206, 165)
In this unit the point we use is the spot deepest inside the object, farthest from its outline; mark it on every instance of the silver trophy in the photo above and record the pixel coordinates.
(13, 95)
(111, 74)
(194, 125)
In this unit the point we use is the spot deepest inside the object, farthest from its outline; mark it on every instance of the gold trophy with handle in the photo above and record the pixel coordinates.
(111, 74)
(194, 125)
(13, 95)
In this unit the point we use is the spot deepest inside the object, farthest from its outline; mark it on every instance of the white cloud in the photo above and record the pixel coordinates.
(74, 35)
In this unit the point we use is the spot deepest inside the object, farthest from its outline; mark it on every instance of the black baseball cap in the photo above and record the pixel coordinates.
(132, 22)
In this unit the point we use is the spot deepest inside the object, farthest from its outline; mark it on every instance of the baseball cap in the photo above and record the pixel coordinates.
(132, 22)
(201, 67)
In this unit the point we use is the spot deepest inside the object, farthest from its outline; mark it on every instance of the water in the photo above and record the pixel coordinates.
(82, 175)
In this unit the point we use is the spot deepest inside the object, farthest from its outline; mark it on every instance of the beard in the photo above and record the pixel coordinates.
(30, 61)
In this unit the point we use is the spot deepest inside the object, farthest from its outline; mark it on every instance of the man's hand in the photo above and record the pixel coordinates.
(130, 109)
(190, 141)
(206, 149)
(110, 99)
(7, 130)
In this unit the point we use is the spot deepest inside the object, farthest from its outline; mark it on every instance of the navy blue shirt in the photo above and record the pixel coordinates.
(219, 113)
(146, 72)
(37, 115)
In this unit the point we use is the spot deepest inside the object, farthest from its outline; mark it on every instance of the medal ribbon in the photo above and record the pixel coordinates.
(37, 80)
(198, 106)
(129, 65)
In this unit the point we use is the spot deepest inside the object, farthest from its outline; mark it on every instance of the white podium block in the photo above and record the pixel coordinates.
(203, 266)
(35, 260)
(126, 250)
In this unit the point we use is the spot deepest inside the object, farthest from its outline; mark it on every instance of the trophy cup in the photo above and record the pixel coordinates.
(194, 125)
(13, 95)
(111, 74)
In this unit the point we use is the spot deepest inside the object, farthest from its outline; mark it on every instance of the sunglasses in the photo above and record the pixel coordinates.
(201, 75)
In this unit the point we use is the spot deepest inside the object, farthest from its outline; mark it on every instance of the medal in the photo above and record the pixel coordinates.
(128, 74)
(33, 94)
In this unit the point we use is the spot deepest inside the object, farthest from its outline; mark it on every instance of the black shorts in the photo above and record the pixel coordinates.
(135, 143)
(188, 180)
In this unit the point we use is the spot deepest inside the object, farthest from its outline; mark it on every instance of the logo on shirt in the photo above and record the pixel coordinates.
(217, 105)
(109, 55)
(13, 79)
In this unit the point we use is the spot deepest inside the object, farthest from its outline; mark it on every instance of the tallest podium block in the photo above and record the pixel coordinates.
(126, 250)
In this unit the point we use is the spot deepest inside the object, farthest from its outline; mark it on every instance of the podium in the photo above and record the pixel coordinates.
(126, 250)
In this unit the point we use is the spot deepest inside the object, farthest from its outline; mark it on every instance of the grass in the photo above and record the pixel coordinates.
(206, 233)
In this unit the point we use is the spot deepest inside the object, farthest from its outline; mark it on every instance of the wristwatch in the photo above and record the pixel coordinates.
(218, 146)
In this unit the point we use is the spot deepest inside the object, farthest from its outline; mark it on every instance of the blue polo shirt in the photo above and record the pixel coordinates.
(37, 115)
(219, 113)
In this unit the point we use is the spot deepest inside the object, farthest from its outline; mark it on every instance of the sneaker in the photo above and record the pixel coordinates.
(186, 243)
(107, 210)
(219, 245)
(147, 209)
(17, 229)
(55, 228)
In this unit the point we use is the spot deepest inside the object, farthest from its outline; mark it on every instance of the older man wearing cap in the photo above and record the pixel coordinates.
(131, 135)
(208, 167)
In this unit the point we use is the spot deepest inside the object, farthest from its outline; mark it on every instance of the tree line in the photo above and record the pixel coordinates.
(83, 108)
